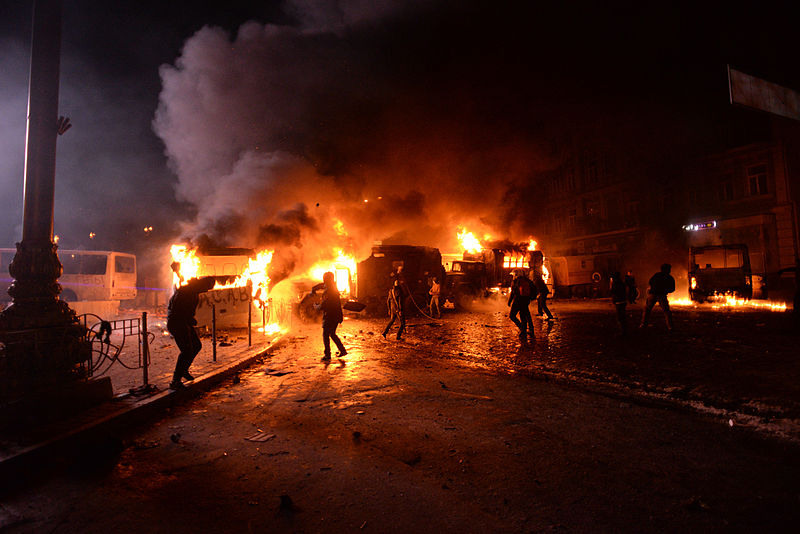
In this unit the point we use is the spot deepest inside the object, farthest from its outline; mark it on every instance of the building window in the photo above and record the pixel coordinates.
(632, 213)
(694, 198)
(569, 174)
(571, 217)
(591, 169)
(558, 223)
(726, 190)
(757, 180)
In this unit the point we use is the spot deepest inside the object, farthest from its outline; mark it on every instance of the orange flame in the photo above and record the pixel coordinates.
(343, 267)
(189, 264)
(727, 301)
(468, 241)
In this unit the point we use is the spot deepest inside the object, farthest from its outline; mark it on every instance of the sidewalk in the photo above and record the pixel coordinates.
(23, 448)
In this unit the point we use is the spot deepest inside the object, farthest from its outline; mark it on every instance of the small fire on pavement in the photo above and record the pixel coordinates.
(728, 301)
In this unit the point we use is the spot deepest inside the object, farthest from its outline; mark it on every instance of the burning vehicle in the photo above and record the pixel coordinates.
(487, 271)
(244, 293)
(465, 282)
(242, 283)
(719, 270)
(420, 266)
(310, 289)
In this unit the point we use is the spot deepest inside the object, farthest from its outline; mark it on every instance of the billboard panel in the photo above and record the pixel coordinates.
(752, 92)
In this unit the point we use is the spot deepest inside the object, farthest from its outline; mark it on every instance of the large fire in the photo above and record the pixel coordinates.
(187, 266)
(343, 268)
(468, 241)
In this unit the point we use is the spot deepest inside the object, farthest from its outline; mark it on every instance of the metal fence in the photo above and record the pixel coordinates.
(106, 352)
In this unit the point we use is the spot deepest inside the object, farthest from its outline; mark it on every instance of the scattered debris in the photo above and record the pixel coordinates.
(696, 504)
(176, 437)
(468, 395)
(236, 379)
(286, 506)
(142, 444)
(9, 518)
(276, 372)
(260, 437)
(411, 460)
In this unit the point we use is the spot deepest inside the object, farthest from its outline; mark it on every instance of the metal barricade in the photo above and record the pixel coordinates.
(106, 352)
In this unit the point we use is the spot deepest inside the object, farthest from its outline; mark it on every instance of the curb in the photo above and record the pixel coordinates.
(15, 469)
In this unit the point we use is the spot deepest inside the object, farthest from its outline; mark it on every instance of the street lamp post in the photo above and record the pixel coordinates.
(40, 336)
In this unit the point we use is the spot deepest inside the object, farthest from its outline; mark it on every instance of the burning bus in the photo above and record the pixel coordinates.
(244, 293)
(241, 290)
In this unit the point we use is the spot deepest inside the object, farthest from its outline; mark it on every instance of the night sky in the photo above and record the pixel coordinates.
(261, 136)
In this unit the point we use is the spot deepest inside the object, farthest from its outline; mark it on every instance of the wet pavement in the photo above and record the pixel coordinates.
(459, 429)
(740, 362)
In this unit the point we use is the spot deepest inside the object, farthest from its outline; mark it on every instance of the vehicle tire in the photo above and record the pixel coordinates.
(68, 295)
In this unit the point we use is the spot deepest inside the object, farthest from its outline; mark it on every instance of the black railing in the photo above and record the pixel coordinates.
(109, 338)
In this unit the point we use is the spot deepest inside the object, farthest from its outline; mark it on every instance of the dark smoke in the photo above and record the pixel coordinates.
(349, 121)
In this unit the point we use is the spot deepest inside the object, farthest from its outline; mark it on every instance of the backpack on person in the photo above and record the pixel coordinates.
(525, 288)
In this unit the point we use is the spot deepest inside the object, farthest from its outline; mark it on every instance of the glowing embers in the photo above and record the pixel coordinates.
(732, 302)
(271, 329)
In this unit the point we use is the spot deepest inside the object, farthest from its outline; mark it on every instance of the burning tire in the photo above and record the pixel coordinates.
(306, 310)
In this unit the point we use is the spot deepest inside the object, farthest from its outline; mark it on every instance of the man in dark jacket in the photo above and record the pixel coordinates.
(332, 316)
(619, 297)
(661, 284)
(396, 303)
(522, 291)
(541, 297)
(180, 323)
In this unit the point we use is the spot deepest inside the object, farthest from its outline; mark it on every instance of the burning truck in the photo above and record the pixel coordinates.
(420, 265)
(486, 269)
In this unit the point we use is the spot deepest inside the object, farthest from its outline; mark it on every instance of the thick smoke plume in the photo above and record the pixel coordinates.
(279, 132)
